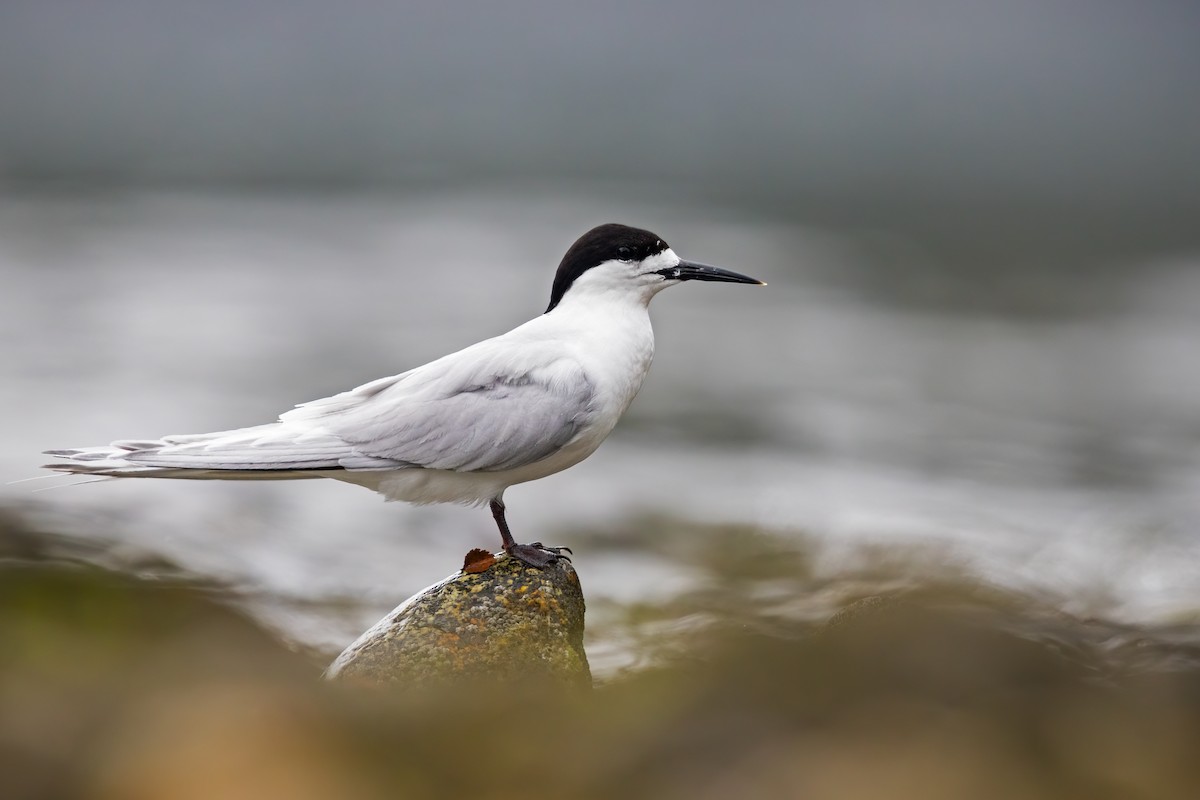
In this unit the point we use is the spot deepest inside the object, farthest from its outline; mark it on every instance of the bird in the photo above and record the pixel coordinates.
(463, 428)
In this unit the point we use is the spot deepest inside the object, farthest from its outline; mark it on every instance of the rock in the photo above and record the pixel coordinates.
(498, 621)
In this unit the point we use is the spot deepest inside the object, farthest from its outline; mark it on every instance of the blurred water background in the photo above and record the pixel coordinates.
(978, 349)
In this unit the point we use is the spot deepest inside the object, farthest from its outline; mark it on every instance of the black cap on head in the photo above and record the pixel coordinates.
(611, 242)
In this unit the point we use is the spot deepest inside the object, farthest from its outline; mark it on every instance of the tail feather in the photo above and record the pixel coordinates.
(280, 450)
(263, 452)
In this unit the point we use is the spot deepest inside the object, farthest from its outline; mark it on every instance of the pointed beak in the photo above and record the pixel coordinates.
(692, 271)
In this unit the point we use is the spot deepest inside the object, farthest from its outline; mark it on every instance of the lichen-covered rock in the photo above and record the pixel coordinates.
(497, 621)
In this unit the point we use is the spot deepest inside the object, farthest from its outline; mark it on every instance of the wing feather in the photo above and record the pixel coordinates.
(490, 407)
(479, 414)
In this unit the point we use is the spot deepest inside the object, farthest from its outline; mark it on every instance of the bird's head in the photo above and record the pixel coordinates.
(617, 259)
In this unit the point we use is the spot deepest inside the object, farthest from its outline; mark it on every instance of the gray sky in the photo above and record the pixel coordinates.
(1075, 120)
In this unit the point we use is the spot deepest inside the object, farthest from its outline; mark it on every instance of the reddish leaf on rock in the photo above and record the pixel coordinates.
(478, 560)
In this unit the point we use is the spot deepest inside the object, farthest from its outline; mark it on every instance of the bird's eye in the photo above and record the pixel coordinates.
(624, 252)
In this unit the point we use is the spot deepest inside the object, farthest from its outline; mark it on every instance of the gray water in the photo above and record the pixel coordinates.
(1056, 451)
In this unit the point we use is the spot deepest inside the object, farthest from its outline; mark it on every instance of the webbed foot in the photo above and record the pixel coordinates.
(537, 554)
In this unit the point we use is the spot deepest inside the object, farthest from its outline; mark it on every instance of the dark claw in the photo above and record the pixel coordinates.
(536, 555)
(555, 550)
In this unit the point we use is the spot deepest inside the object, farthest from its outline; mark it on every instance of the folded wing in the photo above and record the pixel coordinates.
(478, 413)
(488, 417)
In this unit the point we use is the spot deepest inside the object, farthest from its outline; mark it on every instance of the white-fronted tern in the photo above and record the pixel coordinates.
(465, 427)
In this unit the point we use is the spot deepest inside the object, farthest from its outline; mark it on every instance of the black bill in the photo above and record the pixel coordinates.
(691, 271)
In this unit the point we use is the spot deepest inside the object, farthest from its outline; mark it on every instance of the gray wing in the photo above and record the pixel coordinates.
(495, 421)
(457, 415)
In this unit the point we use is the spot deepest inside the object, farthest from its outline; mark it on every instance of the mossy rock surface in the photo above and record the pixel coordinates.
(508, 623)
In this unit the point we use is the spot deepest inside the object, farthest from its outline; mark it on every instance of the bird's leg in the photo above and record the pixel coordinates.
(535, 555)
(505, 534)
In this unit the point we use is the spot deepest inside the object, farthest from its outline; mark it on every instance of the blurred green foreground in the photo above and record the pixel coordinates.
(115, 686)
